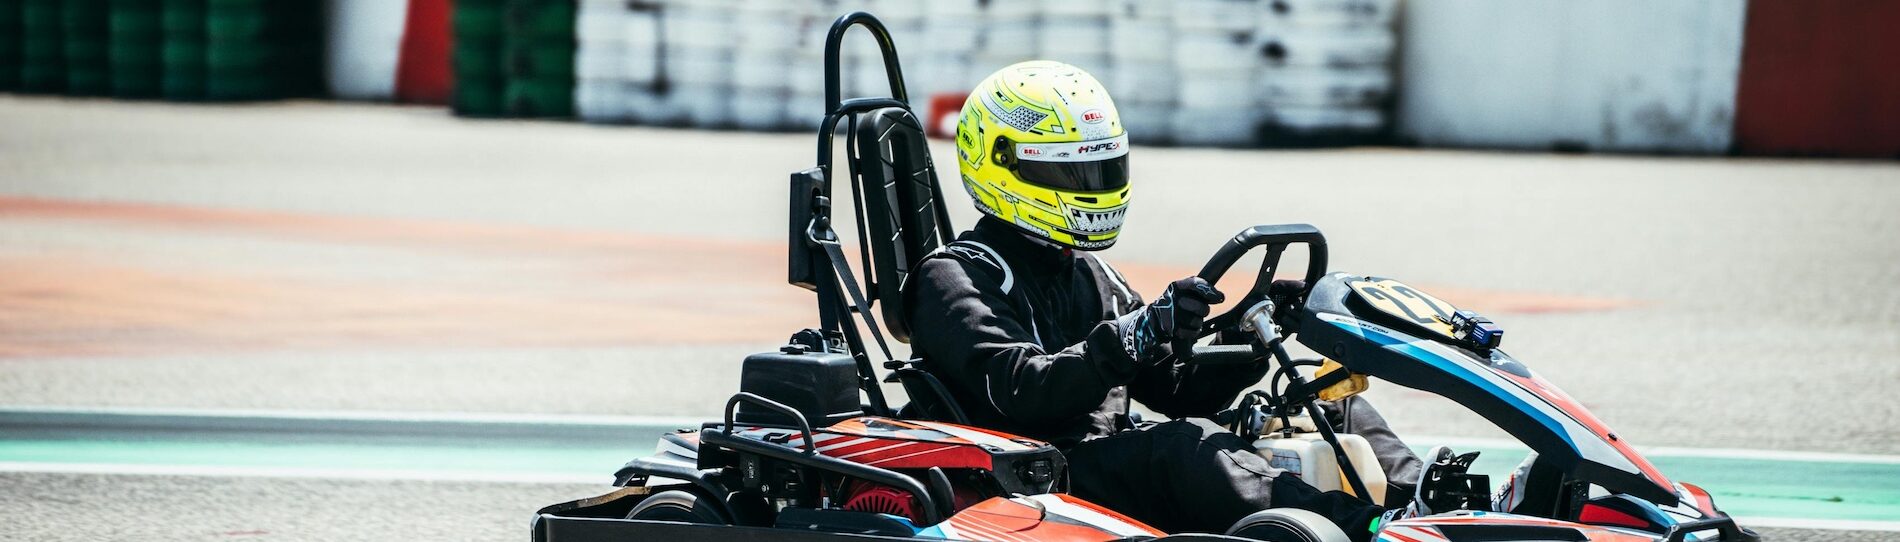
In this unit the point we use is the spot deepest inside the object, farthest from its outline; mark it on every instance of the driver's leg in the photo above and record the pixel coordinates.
(1402, 467)
(1194, 476)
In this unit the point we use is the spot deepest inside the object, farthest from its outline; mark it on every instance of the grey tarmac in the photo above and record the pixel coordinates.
(1758, 306)
(192, 508)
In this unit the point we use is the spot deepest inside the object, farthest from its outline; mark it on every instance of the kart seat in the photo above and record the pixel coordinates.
(901, 219)
(901, 210)
(904, 221)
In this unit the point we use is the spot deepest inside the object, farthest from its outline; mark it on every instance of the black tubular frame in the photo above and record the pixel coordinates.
(1297, 382)
(834, 310)
(932, 510)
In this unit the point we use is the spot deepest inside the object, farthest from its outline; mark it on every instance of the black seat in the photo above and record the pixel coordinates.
(902, 220)
(893, 163)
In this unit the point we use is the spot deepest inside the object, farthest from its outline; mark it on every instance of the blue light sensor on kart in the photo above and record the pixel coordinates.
(1475, 330)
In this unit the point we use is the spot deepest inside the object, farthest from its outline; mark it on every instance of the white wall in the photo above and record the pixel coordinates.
(1625, 75)
(364, 44)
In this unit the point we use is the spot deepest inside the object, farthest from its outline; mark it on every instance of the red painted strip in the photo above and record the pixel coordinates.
(1393, 534)
(959, 457)
(1603, 515)
(1461, 520)
(1703, 502)
(909, 455)
(974, 525)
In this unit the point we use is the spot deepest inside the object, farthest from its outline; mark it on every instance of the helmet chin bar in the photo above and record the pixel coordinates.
(1040, 236)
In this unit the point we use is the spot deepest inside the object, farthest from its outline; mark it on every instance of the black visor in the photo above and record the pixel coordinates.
(1093, 176)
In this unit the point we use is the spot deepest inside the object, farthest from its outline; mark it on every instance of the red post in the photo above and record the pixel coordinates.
(423, 72)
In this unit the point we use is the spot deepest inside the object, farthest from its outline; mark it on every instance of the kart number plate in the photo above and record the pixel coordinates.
(1407, 303)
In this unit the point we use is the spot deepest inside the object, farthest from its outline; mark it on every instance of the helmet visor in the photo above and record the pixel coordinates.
(1093, 176)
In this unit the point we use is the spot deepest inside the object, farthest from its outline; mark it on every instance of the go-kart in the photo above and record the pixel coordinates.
(810, 449)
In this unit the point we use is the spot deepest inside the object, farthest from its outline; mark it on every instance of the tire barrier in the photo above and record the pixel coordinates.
(263, 49)
(514, 58)
(477, 57)
(538, 58)
(171, 49)
(182, 22)
(10, 42)
(1193, 72)
(42, 48)
(84, 37)
(134, 52)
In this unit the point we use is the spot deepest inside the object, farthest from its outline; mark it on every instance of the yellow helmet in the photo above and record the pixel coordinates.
(1039, 145)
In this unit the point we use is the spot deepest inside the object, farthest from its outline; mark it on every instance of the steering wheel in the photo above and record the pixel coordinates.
(1276, 238)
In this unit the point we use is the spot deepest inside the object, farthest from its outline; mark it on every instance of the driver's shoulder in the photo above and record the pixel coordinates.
(1108, 277)
(967, 260)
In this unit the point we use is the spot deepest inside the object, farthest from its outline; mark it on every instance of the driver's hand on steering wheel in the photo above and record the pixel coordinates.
(1171, 323)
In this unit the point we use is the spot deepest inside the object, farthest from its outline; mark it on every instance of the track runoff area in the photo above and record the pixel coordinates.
(1798, 490)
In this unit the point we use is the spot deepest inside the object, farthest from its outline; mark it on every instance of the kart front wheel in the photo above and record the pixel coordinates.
(678, 505)
(1287, 525)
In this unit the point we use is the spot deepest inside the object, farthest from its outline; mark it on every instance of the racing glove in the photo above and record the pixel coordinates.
(1282, 288)
(1171, 323)
(1278, 292)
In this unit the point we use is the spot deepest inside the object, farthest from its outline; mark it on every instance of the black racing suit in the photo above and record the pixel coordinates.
(1024, 336)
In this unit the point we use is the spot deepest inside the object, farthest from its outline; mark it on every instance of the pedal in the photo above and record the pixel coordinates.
(1447, 485)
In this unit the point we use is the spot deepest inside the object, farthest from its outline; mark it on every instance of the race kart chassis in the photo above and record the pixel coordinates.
(796, 457)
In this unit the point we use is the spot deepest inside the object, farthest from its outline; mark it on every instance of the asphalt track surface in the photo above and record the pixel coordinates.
(100, 507)
(334, 256)
(1834, 490)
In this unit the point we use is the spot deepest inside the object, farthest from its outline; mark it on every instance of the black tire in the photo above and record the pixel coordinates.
(135, 19)
(541, 60)
(537, 20)
(11, 28)
(479, 96)
(678, 505)
(183, 19)
(477, 58)
(549, 97)
(478, 20)
(1287, 525)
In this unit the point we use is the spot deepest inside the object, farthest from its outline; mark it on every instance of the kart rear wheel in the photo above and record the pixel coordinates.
(1287, 525)
(678, 505)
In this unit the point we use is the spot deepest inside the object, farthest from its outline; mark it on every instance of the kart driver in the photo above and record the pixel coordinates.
(1035, 335)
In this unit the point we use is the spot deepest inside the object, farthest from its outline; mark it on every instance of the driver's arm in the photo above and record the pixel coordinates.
(975, 341)
(1180, 390)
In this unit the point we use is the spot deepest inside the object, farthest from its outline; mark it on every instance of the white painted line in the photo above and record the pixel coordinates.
(1676, 451)
(1774, 455)
(302, 473)
(580, 421)
(368, 416)
(1821, 524)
